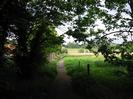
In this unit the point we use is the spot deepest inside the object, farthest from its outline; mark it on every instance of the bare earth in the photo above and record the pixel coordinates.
(61, 88)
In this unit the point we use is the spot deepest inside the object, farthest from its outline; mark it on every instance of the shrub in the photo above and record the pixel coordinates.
(81, 51)
(64, 50)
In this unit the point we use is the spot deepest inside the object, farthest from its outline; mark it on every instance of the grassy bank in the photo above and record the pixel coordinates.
(104, 81)
(49, 69)
(98, 68)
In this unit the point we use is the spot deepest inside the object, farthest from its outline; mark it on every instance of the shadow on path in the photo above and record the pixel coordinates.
(61, 88)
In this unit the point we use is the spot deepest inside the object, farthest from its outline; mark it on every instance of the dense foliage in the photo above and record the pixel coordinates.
(73, 45)
(31, 24)
(113, 36)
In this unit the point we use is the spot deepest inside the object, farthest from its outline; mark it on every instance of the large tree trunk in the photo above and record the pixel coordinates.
(36, 45)
(22, 58)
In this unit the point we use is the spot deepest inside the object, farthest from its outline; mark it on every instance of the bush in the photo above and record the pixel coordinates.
(49, 69)
(64, 50)
(87, 51)
(81, 51)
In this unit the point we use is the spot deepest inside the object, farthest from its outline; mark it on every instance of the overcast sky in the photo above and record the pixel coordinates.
(62, 29)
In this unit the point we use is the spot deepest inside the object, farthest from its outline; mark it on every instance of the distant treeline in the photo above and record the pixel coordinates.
(74, 45)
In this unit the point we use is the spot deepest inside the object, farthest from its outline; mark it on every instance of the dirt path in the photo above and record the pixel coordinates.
(61, 88)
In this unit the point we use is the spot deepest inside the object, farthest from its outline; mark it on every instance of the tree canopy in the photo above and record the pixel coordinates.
(33, 23)
(29, 26)
(116, 18)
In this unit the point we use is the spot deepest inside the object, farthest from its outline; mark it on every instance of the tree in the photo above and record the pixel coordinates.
(72, 45)
(13, 18)
(41, 36)
(33, 23)
(117, 17)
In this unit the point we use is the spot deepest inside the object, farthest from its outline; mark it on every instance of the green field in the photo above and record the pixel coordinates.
(98, 68)
(78, 51)
(103, 79)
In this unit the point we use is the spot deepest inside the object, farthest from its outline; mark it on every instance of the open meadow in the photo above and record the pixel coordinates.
(78, 51)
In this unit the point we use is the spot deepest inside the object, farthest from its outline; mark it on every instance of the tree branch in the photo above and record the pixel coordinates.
(131, 6)
(116, 32)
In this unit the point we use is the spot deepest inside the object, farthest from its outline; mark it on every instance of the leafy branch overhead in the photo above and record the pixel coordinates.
(103, 24)
(32, 24)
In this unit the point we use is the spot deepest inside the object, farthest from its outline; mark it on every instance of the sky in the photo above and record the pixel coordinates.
(62, 29)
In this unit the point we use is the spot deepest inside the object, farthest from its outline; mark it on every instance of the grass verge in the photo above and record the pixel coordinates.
(104, 81)
(50, 69)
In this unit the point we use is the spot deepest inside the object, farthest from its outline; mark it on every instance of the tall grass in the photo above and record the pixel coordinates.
(98, 68)
(49, 69)
(104, 78)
